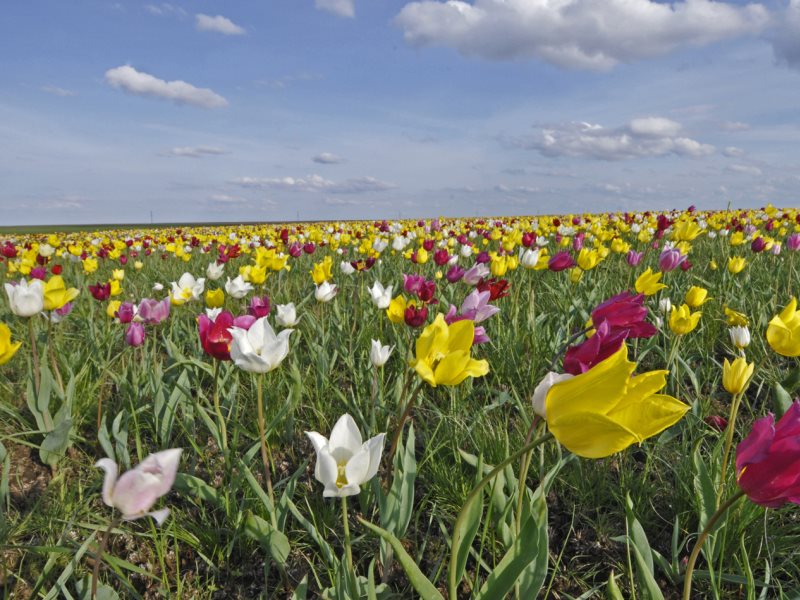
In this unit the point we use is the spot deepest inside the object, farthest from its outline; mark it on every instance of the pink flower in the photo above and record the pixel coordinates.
(134, 335)
(793, 242)
(259, 307)
(476, 306)
(152, 311)
(634, 258)
(670, 259)
(126, 312)
(454, 274)
(561, 261)
(605, 342)
(475, 274)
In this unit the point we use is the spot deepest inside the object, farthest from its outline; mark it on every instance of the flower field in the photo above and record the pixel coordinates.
(579, 406)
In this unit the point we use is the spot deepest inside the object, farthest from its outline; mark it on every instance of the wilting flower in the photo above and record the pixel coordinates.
(238, 288)
(443, 353)
(56, 293)
(648, 283)
(767, 460)
(186, 289)
(605, 410)
(134, 335)
(783, 331)
(286, 315)
(215, 270)
(697, 296)
(26, 299)
(135, 492)
(259, 349)
(735, 318)
(325, 291)
(736, 264)
(7, 348)
(716, 422)
(379, 354)
(152, 311)
(740, 336)
(344, 462)
(215, 298)
(682, 320)
(736, 375)
(381, 296)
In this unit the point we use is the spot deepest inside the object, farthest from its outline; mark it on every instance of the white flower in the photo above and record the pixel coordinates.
(344, 462)
(287, 315)
(157, 287)
(540, 391)
(238, 287)
(258, 349)
(325, 291)
(379, 354)
(379, 245)
(213, 313)
(46, 250)
(665, 305)
(215, 270)
(528, 258)
(346, 268)
(466, 250)
(740, 336)
(26, 299)
(381, 296)
(187, 289)
(136, 491)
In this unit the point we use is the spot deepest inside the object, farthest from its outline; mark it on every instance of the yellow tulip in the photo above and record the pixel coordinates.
(422, 256)
(712, 264)
(648, 283)
(685, 231)
(89, 265)
(443, 353)
(575, 274)
(7, 347)
(498, 266)
(588, 259)
(682, 320)
(112, 308)
(118, 274)
(735, 318)
(215, 298)
(56, 294)
(783, 331)
(138, 265)
(397, 309)
(321, 271)
(737, 238)
(116, 288)
(736, 375)
(736, 264)
(697, 296)
(605, 410)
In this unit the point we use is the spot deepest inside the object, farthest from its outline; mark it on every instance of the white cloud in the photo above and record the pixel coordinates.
(326, 158)
(194, 151)
(650, 136)
(343, 8)
(735, 126)
(143, 84)
(745, 170)
(218, 23)
(57, 91)
(315, 183)
(733, 152)
(164, 9)
(786, 36)
(575, 34)
(227, 199)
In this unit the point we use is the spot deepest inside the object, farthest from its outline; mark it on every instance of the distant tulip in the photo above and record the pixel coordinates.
(476, 306)
(475, 274)
(187, 289)
(561, 261)
(25, 299)
(259, 349)
(497, 288)
(379, 354)
(670, 259)
(758, 245)
(325, 291)
(215, 270)
(215, 298)
(736, 264)
(648, 283)
(793, 242)
(286, 315)
(454, 274)
(346, 268)
(415, 316)
(634, 258)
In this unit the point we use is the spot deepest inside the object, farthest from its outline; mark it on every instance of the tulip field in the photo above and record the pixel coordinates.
(573, 406)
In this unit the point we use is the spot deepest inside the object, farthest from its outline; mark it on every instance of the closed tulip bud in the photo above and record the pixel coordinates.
(118, 274)
(793, 242)
(286, 315)
(134, 336)
(215, 298)
(215, 270)
(740, 336)
(665, 305)
(126, 312)
(259, 307)
(379, 354)
(697, 296)
(682, 320)
(381, 296)
(325, 291)
(716, 422)
(736, 375)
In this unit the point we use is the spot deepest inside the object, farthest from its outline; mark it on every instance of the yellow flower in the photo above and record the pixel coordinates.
(116, 288)
(498, 266)
(89, 265)
(138, 265)
(736, 264)
(735, 318)
(648, 283)
(588, 259)
(118, 274)
(322, 271)
(736, 375)
(112, 308)
(686, 231)
(397, 309)
(422, 256)
(737, 238)
(697, 296)
(682, 320)
(7, 347)
(712, 264)
(783, 331)
(443, 353)
(56, 293)
(215, 298)
(575, 274)
(605, 410)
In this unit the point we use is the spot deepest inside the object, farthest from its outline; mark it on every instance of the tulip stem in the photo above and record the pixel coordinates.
(403, 419)
(51, 353)
(262, 434)
(35, 355)
(99, 558)
(348, 551)
(687, 577)
(737, 400)
(525, 465)
(223, 428)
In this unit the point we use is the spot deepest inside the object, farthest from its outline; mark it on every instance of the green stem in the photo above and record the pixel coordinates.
(262, 435)
(348, 550)
(737, 400)
(223, 428)
(99, 558)
(687, 578)
(403, 419)
(478, 489)
(523, 473)
(35, 354)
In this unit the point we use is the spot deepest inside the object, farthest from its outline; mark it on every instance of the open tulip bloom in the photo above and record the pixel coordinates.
(343, 461)
(259, 349)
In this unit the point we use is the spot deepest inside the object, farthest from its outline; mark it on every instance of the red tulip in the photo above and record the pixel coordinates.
(582, 357)
(415, 316)
(560, 261)
(100, 291)
(497, 288)
(716, 422)
(214, 335)
(625, 311)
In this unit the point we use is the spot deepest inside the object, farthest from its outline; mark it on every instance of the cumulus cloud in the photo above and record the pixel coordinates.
(575, 34)
(128, 79)
(343, 8)
(326, 158)
(218, 23)
(315, 183)
(649, 136)
(194, 151)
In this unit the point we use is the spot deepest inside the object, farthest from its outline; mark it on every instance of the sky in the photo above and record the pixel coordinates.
(263, 110)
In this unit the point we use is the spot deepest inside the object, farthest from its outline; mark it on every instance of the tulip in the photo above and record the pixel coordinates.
(734, 318)
(379, 354)
(736, 264)
(397, 309)
(528, 257)
(454, 274)
(287, 315)
(25, 299)
(215, 337)
(783, 331)
(118, 274)
(682, 320)
(670, 259)
(58, 315)
(696, 296)
(625, 312)
(497, 288)
(126, 312)
(100, 291)
(325, 291)
(758, 245)
(605, 410)
(561, 261)
(346, 268)
(634, 258)
(135, 492)
(112, 308)
(7, 348)
(215, 298)
(215, 270)
(665, 305)
(793, 242)
(259, 307)
(381, 296)
(152, 311)
(38, 273)
(187, 289)
(605, 342)
(767, 460)
(716, 422)
(259, 349)
(648, 283)
(476, 306)
(736, 376)
(238, 288)
(740, 336)
(415, 316)
(134, 335)
(475, 274)
(443, 353)
(344, 463)
(116, 288)
(413, 283)
(138, 265)
(321, 272)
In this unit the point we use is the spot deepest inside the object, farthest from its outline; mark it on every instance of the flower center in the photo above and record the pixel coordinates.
(341, 479)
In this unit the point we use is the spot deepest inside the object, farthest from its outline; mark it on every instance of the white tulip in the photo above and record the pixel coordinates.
(346, 268)
(344, 462)
(215, 270)
(379, 354)
(665, 305)
(213, 313)
(238, 287)
(528, 257)
(187, 289)
(26, 299)
(259, 349)
(325, 291)
(381, 296)
(466, 250)
(740, 336)
(287, 315)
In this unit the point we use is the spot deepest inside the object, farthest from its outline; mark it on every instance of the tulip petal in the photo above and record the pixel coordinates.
(111, 469)
(326, 470)
(649, 416)
(345, 440)
(357, 467)
(375, 448)
(461, 335)
(591, 435)
(159, 516)
(755, 447)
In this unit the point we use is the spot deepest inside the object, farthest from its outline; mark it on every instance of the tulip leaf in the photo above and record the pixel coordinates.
(197, 487)
(781, 400)
(301, 590)
(464, 531)
(104, 592)
(325, 548)
(612, 589)
(5, 462)
(423, 585)
(642, 553)
(272, 541)
(56, 442)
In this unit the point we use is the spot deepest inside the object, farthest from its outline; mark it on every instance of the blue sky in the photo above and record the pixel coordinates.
(227, 111)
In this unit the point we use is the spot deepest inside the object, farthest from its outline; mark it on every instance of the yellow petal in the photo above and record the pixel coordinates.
(650, 415)
(461, 334)
(591, 435)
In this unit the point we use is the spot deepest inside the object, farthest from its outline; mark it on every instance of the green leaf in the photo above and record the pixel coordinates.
(301, 590)
(423, 585)
(642, 553)
(464, 531)
(55, 443)
(612, 589)
(189, 484)
(274, 542)
(781, 400)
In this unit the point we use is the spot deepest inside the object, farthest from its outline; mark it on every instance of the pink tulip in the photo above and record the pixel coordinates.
(670, 259)
(134, 336)
(561, 261)
(793, 242)
(259, 307)
(152, 311)
(125, 312)
(634, 258)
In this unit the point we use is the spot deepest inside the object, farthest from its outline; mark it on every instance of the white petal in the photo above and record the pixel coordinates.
(375, 448)
(111, 469)
(357, 467)
(346, 437)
